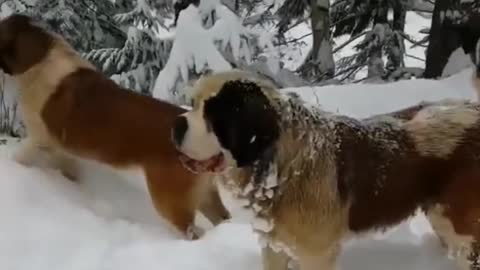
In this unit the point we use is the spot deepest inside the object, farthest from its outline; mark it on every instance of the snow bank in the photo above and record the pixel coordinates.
(363, 100)
(50, 223)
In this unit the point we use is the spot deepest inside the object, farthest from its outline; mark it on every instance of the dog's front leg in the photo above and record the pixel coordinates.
(274, 260)
(33, 154)
(66, 164)
(28, 153)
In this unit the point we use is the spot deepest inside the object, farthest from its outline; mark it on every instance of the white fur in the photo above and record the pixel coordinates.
(198, 143)
(459, 245)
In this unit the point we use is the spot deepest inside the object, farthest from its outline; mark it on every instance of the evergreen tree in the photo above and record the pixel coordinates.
(382, 36)
(85, 24)
(319, 64)
(451, 18)
(136, 64)
(212, 36)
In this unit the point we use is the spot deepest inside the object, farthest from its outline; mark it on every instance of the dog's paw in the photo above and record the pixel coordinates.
(194, 232)
(72, 176)
(24, 157)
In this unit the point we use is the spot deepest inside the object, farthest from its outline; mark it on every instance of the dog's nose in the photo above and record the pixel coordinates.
(179, 129)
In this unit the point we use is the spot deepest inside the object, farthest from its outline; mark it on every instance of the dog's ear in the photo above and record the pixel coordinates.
(22, 43)
(244, 120)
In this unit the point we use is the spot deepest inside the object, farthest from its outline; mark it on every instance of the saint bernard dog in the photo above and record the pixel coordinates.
(313, 179)
(73, 111)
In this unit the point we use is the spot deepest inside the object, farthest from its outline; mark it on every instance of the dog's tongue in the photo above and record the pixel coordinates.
(213, 164)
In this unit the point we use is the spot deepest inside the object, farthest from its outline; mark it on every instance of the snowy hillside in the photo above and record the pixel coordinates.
(108, 222)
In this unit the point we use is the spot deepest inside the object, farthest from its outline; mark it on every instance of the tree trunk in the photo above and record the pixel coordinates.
(376, 66)
(443, 40)
(396, 46)
(319, 64)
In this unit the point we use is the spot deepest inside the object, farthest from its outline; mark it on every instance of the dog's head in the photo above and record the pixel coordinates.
(233, 122)
(23, 43)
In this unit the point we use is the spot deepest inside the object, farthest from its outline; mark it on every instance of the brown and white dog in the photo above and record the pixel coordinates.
(313, 179)
(71, 110)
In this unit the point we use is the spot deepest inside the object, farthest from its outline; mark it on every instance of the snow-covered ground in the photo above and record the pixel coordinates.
(107, 221)
(363, 100)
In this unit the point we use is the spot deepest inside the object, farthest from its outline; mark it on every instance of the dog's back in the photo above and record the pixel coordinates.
(89, 110)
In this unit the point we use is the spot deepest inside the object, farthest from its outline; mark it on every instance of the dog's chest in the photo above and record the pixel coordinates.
(257, 197)
(37, 85)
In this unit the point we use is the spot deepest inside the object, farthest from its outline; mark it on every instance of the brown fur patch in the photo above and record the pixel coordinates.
(22, 44)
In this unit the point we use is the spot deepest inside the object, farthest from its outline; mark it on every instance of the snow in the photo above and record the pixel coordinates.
(193, 47)
(199, 46)
(107, 221)
(104, 223)
(363, 100)
(262, 225)
(457, 61)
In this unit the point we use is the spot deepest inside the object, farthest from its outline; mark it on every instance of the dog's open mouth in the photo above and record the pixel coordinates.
(214, 164)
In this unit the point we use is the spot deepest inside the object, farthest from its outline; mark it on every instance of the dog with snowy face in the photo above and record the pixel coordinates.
(72, 111)
(313, 178)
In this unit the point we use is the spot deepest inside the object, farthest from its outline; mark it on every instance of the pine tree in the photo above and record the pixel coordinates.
(136, 63)
(450, 19)
(382, 36)
(319, 64)
(211, 36)
(85, 24)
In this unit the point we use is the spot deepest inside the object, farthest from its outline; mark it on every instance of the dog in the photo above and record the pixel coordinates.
(312, 179)
(72, 111)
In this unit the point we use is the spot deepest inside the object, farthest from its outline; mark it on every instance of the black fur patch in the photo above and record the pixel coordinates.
(244, 121)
